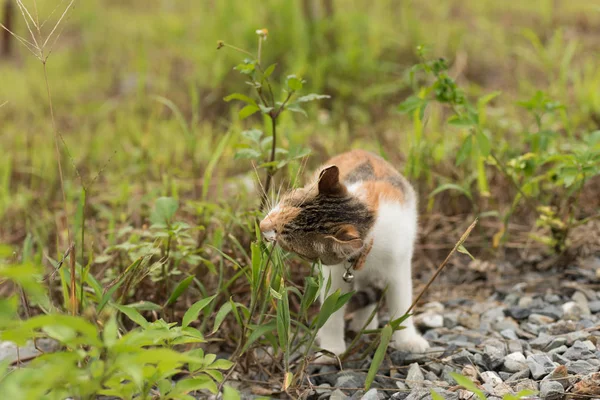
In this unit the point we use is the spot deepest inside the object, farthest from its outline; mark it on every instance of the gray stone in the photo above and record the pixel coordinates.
(414, 378)
(515, 362)
(399, 357)
(526, 384)
(573, 311)
(506, 375)
(517, 312)
(502, 389)
(581, 299)
(491, 377)
(552, 298)
(551, 311)
(539, 319)
(430, 320)
(579, 351)
(515, 346)
(558, 350)
(337, 394)
(540, 365)
(506, 324)
(559, 359)
(594, 306)
(542, 341)
(450, 320)
(462, 358)
(517, 376)
(509, 334)
(430, 376)
(580, 367)
(590, 345)
(371, 395)
(493, 357)
(492, 315)
(350, 380)
(551, 390)
(323, 388)
(399, 396)
(446, 374)
(575, 336)
(531, 327)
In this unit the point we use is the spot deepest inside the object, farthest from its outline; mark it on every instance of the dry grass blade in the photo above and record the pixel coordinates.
(30, 46)
(58, 23)
(26, 14)
(51, 13)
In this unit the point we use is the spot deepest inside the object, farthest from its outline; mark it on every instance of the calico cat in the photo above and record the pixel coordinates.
(359, 217)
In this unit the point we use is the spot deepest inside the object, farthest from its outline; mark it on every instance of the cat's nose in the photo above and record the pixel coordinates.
(268, 229)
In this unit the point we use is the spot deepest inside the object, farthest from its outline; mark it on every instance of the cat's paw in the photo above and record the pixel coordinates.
(412, 342)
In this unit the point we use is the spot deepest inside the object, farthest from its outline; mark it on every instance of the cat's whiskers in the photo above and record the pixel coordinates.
(262, 191)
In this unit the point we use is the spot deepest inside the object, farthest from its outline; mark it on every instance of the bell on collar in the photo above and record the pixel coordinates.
(348, 276)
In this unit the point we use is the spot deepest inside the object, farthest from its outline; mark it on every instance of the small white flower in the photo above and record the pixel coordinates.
(262, 33)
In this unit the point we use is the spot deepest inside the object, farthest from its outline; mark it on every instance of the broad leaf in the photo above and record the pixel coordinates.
(179, 289)
(192, 313)
(386, 335)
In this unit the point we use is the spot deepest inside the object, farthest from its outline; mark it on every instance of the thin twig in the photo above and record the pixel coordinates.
(443, 264)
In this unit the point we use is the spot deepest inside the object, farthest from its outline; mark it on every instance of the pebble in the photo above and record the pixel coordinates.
(551, 390)
(414, 378)
(517, 312)
(594, 306)
(515, 362)
(429, 320)
(579, 351)
(371, 395)
(540, 365)
(573, 311)
(580, 367)
(539, 319)
(491, 377)
(337, 394)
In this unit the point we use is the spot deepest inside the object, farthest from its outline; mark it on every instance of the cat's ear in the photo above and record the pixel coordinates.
(329, 182)
(348, 236)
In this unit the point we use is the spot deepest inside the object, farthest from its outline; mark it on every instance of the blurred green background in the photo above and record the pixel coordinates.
(138, 87)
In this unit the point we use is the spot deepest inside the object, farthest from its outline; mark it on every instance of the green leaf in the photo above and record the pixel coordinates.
(294, 83)
(247, 154)
(192, 313)
(396, 324)
(179, 289)
(221, 364)
(467, 384)
(248, 111)
(192, 384)
(296, 108)
(312, 97)
(258, 332)
(283, 321)
(451, 186)
(253, 135)
(521, 394)
(484, 144)
(164, 210)
(386, 335)
(465, 150)
(411, 104)
(145, 306)
(327, 309)
(110, 332)
(488, 97)
(133, 315)
(230, 393)
(269, 71)
(343, 299)
(241, 97)
(461, 121)
(265, 110)
(221, 314)
(463, 250)
(435, 395)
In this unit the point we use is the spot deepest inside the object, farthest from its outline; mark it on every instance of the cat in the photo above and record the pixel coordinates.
(358, 213)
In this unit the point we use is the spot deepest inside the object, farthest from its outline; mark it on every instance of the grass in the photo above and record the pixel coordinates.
(162, 213)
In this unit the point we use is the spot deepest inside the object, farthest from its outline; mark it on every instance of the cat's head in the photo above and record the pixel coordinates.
(322, 221)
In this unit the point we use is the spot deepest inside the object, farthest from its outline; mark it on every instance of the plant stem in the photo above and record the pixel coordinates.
(270, 170)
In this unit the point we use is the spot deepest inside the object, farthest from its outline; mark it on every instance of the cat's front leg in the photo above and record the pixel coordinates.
(331, 335)
(399, 299)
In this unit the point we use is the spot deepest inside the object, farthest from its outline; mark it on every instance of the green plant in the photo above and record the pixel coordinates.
(536, 175)
(260, 79)
(99, 357)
